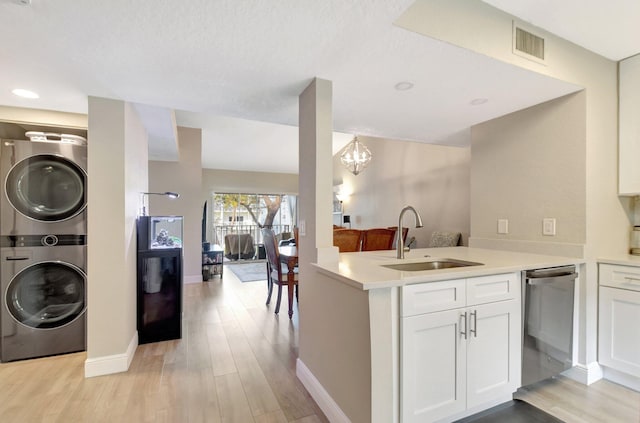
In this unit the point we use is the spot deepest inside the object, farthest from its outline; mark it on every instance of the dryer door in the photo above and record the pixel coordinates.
(47, 295)
(47, 188)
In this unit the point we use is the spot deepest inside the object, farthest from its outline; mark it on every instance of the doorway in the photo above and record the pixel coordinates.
(238, 217)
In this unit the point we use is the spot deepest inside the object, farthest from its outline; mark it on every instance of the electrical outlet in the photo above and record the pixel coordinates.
(503, 226)
(549, 226)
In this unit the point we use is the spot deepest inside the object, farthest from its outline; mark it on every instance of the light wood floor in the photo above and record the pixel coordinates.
(235, 363)
(573, 402)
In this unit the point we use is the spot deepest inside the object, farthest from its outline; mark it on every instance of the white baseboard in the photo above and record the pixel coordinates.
(328, 406)
(623, 379)
(193, 279)
(110, 364)
(585, 374)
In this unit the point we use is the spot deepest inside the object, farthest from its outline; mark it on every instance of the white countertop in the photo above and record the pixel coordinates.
(624, 260)
(364, 270)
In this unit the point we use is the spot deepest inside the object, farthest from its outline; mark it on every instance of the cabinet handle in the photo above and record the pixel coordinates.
(464, 319)
(474, 313)
(630, 279)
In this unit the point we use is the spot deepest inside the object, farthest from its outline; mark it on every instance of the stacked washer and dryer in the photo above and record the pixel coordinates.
(43, 252)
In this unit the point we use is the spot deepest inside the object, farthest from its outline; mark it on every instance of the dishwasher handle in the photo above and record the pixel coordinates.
(545, 280)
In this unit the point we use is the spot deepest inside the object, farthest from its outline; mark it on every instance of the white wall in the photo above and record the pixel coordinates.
(185, 178)
(117, 163)
(432, 178)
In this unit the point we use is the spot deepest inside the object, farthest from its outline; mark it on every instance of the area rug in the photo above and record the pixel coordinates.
(249, 272)
(515, 411)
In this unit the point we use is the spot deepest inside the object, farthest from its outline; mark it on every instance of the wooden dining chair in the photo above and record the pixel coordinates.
(347, 240)
(378, 239)
(276, 273)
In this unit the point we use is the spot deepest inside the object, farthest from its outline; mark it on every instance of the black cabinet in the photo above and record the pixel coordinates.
(159, 279)
(159, 295)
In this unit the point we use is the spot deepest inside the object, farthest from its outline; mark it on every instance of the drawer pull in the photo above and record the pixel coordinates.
(630, 279)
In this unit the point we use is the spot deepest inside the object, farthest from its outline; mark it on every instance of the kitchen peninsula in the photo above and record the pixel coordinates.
(422, 345)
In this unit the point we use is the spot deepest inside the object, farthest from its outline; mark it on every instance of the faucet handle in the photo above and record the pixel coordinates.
(407, 249)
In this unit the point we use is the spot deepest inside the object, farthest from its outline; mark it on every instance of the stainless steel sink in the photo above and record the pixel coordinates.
(445, 263)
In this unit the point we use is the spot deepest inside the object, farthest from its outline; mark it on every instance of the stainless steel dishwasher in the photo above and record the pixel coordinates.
(547, 342)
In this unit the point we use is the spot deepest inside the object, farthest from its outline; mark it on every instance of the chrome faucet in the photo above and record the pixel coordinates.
(400, 243)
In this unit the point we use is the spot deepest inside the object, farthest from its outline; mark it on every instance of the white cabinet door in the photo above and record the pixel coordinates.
(460, 345)
(433, 366)
(629, 127)
(619, 331)
(493, 352)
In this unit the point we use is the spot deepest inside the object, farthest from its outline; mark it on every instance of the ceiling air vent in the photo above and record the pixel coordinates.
(528, 43)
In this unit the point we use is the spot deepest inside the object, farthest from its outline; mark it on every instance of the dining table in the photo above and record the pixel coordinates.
(289, 256)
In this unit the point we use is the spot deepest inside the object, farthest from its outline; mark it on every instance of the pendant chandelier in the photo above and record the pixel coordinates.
(355, 156)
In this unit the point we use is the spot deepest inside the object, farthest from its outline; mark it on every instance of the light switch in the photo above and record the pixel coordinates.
(302, 228)
(503, 226)
(548, 226)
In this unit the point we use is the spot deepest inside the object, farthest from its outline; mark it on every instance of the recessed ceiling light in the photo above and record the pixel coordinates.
(478, 101)
(403, 86)
(25, 93)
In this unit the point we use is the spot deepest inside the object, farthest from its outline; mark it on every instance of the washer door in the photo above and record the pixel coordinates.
(47, 188)
(47, 295)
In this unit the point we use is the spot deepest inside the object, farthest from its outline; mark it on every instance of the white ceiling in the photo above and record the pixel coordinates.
(609, 28)
(236, 67)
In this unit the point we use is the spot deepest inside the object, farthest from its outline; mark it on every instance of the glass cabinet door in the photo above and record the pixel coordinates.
(46, 188)
(46, 295)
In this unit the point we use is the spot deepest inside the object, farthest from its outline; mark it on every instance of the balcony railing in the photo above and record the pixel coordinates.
(221, 231)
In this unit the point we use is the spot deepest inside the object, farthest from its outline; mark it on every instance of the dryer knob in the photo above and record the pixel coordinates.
(49, 240)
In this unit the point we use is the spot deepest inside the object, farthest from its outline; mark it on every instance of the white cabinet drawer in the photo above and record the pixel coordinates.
(435, 296)
(616, 276)
(489, 289)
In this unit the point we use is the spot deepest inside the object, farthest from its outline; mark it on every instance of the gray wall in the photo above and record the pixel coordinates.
(215, 180)
(185, 178)
(432, 178)
(334, 335)
(117, 164)
(530, 165)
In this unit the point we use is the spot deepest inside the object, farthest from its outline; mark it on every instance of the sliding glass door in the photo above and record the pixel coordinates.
(237, 219)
